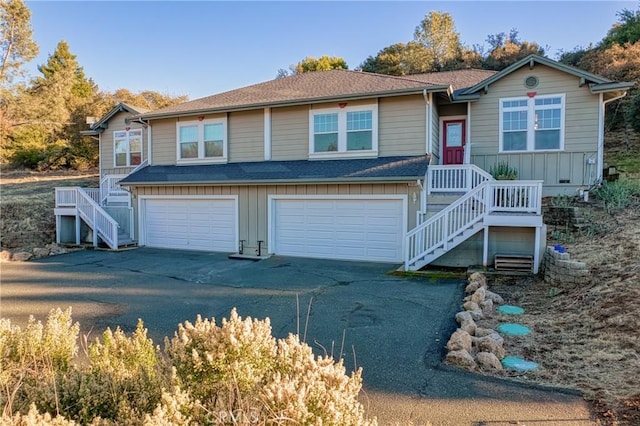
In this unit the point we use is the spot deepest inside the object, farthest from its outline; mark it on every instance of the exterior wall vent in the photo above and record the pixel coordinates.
(531, 82)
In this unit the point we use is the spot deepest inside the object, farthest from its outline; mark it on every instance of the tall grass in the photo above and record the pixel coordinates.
(619, 194)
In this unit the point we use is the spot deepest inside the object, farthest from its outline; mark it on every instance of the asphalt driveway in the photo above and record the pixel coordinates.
(394, 327)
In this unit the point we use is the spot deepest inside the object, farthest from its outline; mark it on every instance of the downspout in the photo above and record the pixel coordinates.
(601, 111)
(428, 100)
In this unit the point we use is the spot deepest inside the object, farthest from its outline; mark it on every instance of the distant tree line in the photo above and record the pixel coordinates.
(436, 46)
(41, 118)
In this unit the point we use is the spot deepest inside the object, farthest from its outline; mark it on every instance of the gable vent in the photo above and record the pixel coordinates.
(531, 82)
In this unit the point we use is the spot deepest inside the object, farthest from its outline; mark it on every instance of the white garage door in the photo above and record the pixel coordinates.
(348, 229)
(190, 224)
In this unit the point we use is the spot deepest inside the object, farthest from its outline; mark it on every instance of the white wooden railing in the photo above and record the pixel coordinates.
(91, 212)
(455, 178)
(460, 219)
(109, 184)
(515, 196)
(439, 230)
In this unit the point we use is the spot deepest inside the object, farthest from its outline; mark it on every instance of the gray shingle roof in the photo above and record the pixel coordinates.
(310, 86)
(458, 79)
(380, 169)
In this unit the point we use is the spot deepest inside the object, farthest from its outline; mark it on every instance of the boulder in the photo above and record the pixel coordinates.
(481, 332)
(479, 295)
(463, 316)
(487, 307)
(41, 252)
(21, 256)
(474, 310)
(55, 249)
(462, 359)
(460, 340)
(5, 256)
(488, 344)
(476, 280)
(488, 361)
(494, 297)
(468, 326)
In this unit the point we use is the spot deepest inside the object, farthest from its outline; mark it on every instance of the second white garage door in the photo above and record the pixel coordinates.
(346, 229)
(190, 224)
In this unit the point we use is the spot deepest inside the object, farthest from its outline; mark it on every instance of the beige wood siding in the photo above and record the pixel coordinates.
(435, 134)
(290, 133)
(452, 109)
(246, 136)
(581, 130)
(163, 137)
(107, 161)
(402, 126)
(253, 201)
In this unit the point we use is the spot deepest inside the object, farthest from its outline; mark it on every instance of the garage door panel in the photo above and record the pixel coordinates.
(362, 229)
(194, 224)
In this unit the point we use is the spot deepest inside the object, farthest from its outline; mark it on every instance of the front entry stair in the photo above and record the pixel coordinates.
(486, 202)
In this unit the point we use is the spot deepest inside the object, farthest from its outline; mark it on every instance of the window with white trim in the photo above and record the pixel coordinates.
(127, 147)
(346, 131)
(202, 140)
(532, 123)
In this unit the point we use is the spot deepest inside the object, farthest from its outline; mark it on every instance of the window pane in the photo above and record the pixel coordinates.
(189, 150)
(359, 141)
(135, 144)
(325, 123)
(213, 149)
(121, 146)
(121, 159)
(120, 134)
(514, 104)
(213, 132)
(136, 158)
(359, 120)
(189, 134)
(548, 101)
(547, 139)
(548, 119)
(325, 142)
(514, 120)
(514, 141)
(454, 134)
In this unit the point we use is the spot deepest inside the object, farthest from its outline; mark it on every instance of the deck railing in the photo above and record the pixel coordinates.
(515, 196)
(109, 184)
(91, 212)
(455, 178)
(439, 230)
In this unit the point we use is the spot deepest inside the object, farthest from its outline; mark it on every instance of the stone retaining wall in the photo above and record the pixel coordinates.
(558, 268)
(563, 216)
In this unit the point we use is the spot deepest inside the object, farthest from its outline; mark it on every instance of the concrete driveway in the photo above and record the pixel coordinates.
(394, 327)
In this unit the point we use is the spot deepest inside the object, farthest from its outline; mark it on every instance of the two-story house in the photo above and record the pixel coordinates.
(353, 166)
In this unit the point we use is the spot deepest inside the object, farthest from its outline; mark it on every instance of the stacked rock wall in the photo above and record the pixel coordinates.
(558, 268)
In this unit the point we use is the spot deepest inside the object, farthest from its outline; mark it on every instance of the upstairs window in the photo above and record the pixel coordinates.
(127, 147)
(532, 124)
(204, 140)
(347, 131)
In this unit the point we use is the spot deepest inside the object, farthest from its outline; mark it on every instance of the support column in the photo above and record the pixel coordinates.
(485, 247)
(536, 252)
(77, 228)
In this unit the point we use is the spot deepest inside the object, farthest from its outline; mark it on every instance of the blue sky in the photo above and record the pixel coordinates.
(200, 48)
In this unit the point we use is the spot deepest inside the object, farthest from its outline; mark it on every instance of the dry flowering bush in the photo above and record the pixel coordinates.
(236, 373)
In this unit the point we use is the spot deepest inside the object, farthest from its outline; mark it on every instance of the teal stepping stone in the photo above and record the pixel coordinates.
(514, 329)
(517, 363)
(510, 310)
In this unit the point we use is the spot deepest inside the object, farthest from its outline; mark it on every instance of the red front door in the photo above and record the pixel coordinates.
(453, 138)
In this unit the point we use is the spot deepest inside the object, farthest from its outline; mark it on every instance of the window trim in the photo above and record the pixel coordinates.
(128, 152)
(201, 145)
(530, 108)
(342, 151)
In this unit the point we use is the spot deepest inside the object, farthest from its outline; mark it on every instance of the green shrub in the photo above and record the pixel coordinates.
(618, 194)
(503, 171)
